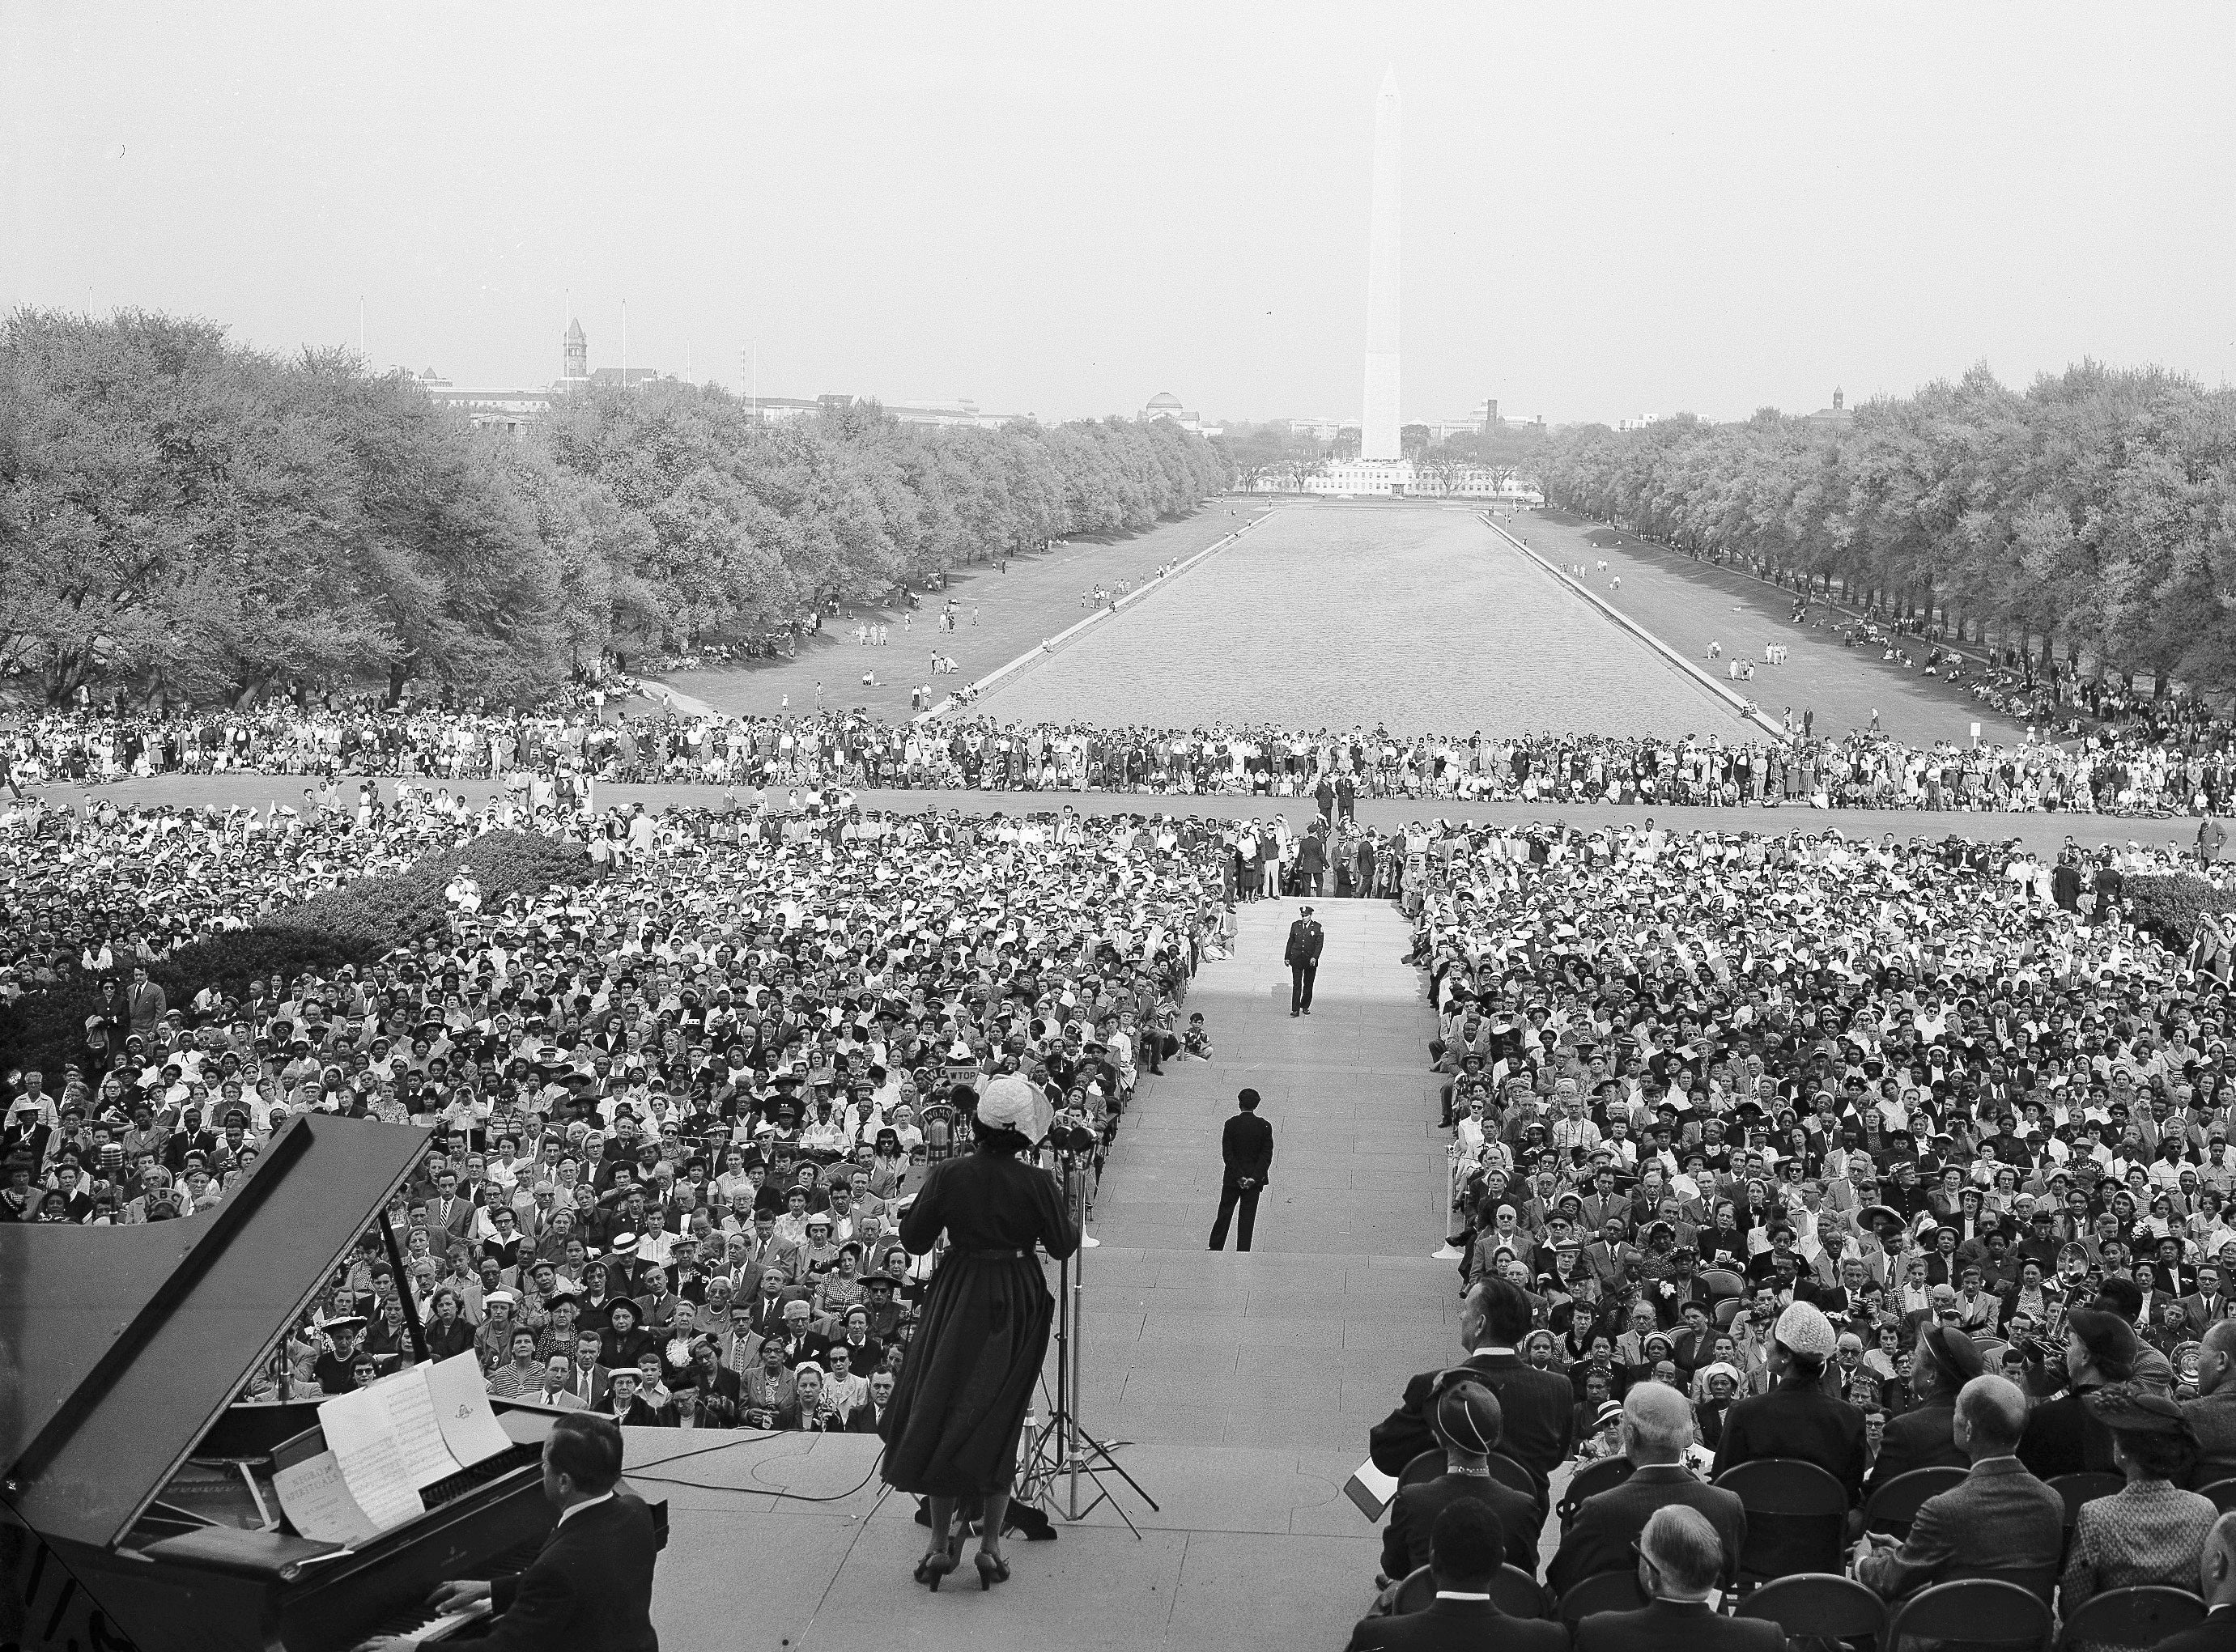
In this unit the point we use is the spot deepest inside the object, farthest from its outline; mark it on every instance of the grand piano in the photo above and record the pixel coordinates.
(136, 1505)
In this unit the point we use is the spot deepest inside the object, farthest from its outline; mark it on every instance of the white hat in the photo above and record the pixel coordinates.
(1015, 1103)
(1805, 1330)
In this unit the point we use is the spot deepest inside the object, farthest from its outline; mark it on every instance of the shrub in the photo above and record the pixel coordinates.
(2169, 905)
(355, 924)
(402, 907)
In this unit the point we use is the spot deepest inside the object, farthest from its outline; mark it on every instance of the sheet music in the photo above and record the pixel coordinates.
(371, 1462)
(405, 1402)
(461, 1409)
(318, 1501)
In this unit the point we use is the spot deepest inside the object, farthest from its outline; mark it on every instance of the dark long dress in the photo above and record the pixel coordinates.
(952, 1429)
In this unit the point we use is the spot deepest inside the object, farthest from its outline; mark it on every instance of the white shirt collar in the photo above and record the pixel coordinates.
(565, 1515)
(1459, 1593)
(1490, 1348)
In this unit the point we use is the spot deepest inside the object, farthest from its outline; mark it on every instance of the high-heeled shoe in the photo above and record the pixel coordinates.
(938, 1563)
(992, 1570)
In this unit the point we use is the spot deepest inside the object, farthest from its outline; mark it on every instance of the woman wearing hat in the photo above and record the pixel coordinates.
(952, 1431)
(2151, 1531)
(2063, 1435)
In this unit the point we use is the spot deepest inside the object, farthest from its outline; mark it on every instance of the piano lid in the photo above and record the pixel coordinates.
(120, 1347)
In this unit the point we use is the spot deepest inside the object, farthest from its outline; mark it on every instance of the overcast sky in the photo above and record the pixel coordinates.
(1063, 209)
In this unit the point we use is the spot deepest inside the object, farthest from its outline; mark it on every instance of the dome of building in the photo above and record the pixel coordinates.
(1165, 399)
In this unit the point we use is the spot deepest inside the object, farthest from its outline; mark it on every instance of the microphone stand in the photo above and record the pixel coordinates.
(1062, 1447)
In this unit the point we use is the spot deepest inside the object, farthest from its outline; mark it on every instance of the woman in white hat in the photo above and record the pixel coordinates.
(952, 1430)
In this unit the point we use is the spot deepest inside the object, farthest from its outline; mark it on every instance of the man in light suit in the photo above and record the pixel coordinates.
(2000, 1516)
(1246, 1148)
(1303, 957)
(1680, 1557)
(2206, 1306)
(1657, 1427)
(557, 1390)
(1466, 1549)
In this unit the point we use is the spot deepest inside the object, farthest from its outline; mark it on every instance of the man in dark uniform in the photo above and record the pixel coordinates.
(1926, 1438)
(589, 1588)
(1797, 1418)
(1246, 1145)
(1303, 958)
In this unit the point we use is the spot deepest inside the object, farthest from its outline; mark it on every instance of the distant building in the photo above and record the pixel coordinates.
(965, 413)
(1402, 478)
(511, 409)
(1165, 405)
(1838, 417)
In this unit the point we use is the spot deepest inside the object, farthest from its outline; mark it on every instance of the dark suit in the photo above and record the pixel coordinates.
(1303, 957)
(1246, 1145)
(1539, 1408)
(590, 1589)
(1797, 1419)
(2216, 1634)
(1667, 1624)
(1457, 1626)
(1608, 1523)
(865, 1418)
(1413, 1518)
(2000, 1516)
(1920, 1439)
(2063, 1437)
(589, 1387)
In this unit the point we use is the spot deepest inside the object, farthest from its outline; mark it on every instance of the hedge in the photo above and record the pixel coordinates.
(401, 907)
(355, 924)
(2169, 905)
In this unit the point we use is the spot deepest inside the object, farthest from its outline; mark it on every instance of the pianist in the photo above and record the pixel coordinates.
(590, 1589)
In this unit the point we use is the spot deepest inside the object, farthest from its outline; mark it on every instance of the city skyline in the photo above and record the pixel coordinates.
(1624, 209)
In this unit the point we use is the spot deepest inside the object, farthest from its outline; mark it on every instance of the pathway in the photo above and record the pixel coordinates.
(1689, 605)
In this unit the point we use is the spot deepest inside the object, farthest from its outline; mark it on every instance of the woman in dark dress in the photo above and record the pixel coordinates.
(952, 1430)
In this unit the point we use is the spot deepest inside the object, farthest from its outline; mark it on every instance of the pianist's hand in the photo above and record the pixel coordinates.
(456, 1596)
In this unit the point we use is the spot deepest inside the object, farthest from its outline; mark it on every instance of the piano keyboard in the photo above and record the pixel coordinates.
(421, 1625)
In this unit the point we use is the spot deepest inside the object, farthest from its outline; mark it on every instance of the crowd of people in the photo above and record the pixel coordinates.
(676, 1113)
(2145, 768)
(1869, 1154)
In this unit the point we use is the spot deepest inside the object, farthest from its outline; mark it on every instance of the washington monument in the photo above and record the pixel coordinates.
(1378, 425)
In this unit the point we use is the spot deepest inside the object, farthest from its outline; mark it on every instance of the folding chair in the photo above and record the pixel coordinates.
(1819, 1606)
(1508, 1472)
(1424, 1468)
(1797, 1518)
(2077, 1489)
(2223, 1493)
(1603, 1591)
(1976, 1612)
(1894, 1505)
(2138, 1618)
(1590, 1480)
(1516, 1593)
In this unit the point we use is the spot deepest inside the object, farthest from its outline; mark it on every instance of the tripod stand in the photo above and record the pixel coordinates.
(1062, 1449)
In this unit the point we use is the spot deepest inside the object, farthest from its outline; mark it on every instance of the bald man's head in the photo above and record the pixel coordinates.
(2216, 1567)
(1993, 1413)
(1657, 1423)
(2216, 1356)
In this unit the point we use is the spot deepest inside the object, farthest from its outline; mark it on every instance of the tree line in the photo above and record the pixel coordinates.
(2090, 517)
(185, 518)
